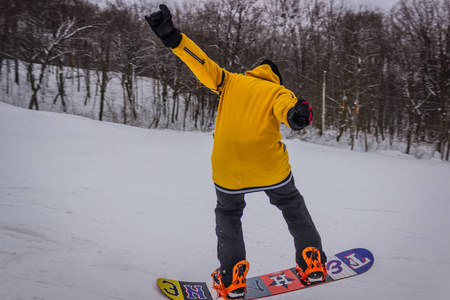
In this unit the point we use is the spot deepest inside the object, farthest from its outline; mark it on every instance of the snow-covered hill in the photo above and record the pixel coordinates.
(92, 210)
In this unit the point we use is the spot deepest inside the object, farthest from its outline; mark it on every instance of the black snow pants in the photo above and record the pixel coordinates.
(229, 210)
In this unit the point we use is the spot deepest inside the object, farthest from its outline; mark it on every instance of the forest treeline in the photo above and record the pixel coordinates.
(384, 75)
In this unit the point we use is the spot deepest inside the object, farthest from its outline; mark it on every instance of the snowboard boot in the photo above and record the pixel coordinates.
(313, 270)
(231, 286)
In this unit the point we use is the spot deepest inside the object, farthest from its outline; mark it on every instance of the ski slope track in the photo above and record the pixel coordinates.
(97, 211)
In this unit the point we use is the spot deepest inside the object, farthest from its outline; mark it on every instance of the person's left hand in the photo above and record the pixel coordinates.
(161, 24)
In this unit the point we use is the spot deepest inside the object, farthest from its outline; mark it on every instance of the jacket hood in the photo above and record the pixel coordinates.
(265, 72)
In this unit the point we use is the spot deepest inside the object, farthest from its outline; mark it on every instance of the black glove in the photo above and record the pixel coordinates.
(161, 24)
(300, 115)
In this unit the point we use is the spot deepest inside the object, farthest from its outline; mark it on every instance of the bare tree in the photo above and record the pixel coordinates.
(38, 45)
(387, 73)
(422, 31)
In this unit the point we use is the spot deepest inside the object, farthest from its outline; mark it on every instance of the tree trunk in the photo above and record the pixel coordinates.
(16, 72)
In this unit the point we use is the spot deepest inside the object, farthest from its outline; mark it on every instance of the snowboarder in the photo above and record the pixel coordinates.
(248, 156)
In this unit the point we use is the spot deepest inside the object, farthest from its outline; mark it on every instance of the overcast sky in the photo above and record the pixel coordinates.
(383, 4)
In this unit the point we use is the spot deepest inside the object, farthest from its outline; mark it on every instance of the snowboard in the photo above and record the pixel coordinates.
(342, 265)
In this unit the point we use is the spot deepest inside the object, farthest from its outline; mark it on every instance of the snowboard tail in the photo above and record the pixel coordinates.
(339, 266)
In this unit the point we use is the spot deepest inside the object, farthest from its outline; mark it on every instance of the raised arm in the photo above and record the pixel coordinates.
(205, 69)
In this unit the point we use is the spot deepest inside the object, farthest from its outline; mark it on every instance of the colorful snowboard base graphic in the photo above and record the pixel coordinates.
(339, 266)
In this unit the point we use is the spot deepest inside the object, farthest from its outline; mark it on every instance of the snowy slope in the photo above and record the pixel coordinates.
(92, 210)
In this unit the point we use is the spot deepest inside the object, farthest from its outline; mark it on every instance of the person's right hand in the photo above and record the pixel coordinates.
(300, 115)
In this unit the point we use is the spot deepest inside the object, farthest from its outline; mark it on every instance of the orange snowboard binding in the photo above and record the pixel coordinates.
(315, 271)
(235, 289)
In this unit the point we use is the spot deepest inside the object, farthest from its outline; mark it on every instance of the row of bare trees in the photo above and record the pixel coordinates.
(387, 73)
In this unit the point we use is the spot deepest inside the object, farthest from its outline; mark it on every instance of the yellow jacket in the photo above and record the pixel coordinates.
(248, 153)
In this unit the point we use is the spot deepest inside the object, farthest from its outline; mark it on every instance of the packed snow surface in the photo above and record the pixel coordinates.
(94, 210)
